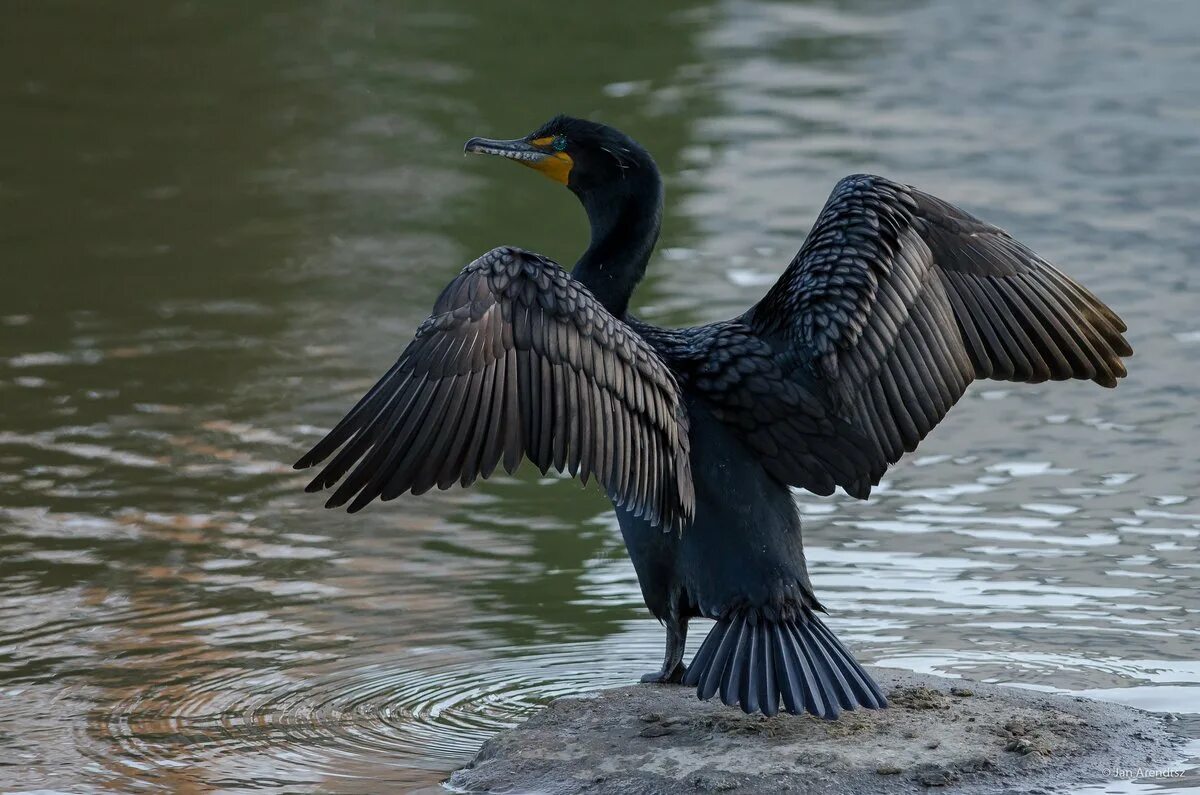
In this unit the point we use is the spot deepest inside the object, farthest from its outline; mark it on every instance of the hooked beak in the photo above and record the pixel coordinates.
(516, 149)
(555, 165)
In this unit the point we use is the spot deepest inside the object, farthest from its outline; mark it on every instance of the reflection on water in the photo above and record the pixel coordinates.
(222, 222)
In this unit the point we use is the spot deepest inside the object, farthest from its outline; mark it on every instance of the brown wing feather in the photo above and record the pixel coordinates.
(517, 360)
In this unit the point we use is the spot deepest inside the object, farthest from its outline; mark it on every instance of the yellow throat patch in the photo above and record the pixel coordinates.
(556, 165)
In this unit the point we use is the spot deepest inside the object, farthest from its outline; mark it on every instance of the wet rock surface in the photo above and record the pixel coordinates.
(938, 733)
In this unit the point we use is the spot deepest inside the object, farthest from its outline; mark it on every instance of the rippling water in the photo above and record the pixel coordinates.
(221, 222)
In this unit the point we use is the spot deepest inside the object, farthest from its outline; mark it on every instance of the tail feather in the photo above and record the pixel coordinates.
(752, 681)
(826, 700)
(785, 660)
(863, 687)
(770, 694)
(731, 679)
(704, 657)
(724, 647)
(797, 663)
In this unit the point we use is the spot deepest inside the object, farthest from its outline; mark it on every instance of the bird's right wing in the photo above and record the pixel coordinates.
(517, 359)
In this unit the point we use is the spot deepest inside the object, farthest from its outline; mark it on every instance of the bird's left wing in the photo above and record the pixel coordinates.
(895, 303)
(517, 359)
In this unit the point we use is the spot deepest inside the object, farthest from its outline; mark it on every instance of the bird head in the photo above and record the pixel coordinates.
(586, 156)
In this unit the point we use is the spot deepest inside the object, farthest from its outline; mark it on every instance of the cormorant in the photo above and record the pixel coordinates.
(894, 304)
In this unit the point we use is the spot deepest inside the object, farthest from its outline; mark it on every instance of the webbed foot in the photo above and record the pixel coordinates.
(665, 677)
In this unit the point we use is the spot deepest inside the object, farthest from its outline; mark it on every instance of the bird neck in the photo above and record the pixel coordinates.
(625, 221)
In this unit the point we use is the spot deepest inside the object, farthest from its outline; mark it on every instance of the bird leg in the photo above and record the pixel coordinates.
(673, 669)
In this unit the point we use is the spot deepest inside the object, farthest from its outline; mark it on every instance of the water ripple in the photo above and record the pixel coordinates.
(432, 705)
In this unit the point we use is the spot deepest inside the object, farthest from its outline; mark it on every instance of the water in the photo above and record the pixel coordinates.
(222, 221)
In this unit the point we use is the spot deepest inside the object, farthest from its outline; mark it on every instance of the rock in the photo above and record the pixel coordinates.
(660, 738)
(935, 775)
(1021, 745)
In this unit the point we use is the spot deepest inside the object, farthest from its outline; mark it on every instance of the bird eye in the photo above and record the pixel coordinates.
(559, 144)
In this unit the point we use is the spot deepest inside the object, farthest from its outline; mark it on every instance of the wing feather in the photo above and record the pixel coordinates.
(895, 304)
(517, 360)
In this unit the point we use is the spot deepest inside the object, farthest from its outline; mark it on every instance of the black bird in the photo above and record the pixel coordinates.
(894, 304)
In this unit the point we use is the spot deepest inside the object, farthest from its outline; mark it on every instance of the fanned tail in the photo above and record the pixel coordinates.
(758, 664)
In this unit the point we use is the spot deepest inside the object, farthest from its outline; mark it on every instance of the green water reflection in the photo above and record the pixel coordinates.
(220, 221)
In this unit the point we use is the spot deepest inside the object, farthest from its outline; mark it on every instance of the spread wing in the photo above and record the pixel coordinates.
(517, 359)
(895, 303)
